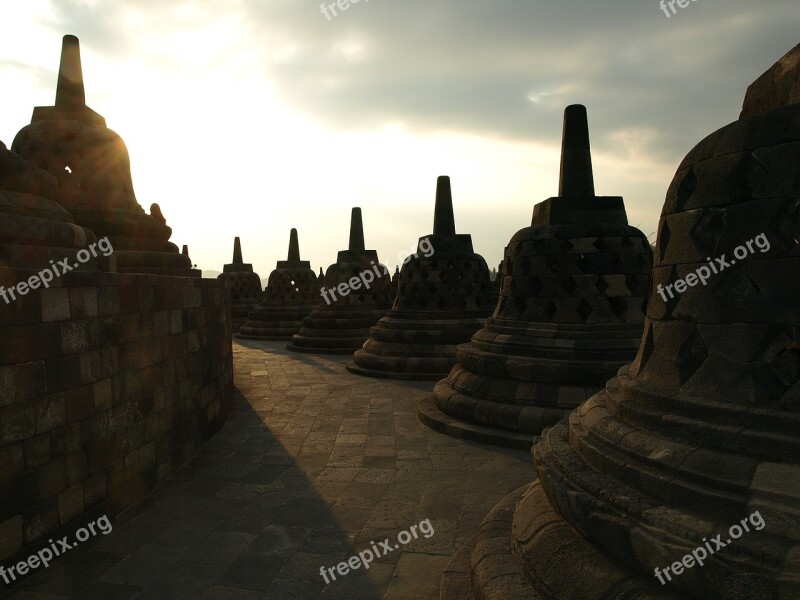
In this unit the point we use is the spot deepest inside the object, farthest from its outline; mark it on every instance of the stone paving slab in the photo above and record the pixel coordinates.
(314, 465)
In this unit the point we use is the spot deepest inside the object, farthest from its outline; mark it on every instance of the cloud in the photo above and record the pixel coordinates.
(508, 70)
(498, 70)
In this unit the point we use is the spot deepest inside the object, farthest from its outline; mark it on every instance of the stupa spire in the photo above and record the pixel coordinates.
(69, 90)
(576, 177)
(356, 231)
(444, 222)
(237, 252)
(294, 246)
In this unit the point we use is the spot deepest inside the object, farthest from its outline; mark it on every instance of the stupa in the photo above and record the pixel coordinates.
(91, 163)
(394, 285)
(245, 286)
(355, 296)
(679, 478)
(443, 297)
(498, 279)
(570, 313)
(37, 233)
(292, 292)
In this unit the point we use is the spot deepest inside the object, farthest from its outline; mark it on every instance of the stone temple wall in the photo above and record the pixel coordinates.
(108, 384)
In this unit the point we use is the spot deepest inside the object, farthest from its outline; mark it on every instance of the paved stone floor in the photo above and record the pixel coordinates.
(313, 464)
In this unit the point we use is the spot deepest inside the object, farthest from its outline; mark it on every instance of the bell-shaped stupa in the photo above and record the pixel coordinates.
(292, 292)
(355, 296)
(35, 231)
(245, 286)
(571, 309)
(680, 478)
(91, 163)
(498, 279)
(443, 297)
(395, 283)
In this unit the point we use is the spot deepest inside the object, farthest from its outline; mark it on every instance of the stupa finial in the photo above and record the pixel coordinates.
(576, 177)
(444, 222)
(356, 231)
(294, 246)
(237, 252)
(69, 90)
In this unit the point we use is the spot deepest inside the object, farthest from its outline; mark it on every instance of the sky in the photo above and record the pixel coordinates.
(250, 117)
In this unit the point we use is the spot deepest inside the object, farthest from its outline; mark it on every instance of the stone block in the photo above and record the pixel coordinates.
(94, 490)
(12, 460)
(37, 451)
(102, 393)
(74, 437)
(70, 503)
(52, 478)
(108, 301)
(40, 519)
(17, 422)
(101, 453)
(77, 467)
(192, 297)
(176, 321)
(63, 373)
(29, 343)
(108, 331)
(79, 404)
(7, 385)
(147, 299)
(55, 304)
(161, 323)
(74, 336)
(83, 302)
(10, 536)
(18, 493)
(133, 327)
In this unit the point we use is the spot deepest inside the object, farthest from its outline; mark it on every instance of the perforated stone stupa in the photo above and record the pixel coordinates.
(443, 297)
(35, 228)
(697, 444)
(245, 286)
(341, 324)
(91, 163)
(570, 313)
(292, 292)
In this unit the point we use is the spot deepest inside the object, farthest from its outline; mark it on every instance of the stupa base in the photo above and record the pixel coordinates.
(429, 415)
(401, 375)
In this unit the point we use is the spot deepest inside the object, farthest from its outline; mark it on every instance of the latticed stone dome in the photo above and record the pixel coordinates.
(292, 292)
(571, 307)
(245, 286)
(34, 229)
(700, 434)
(340, 324)
(443, 296)
(71, 141)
